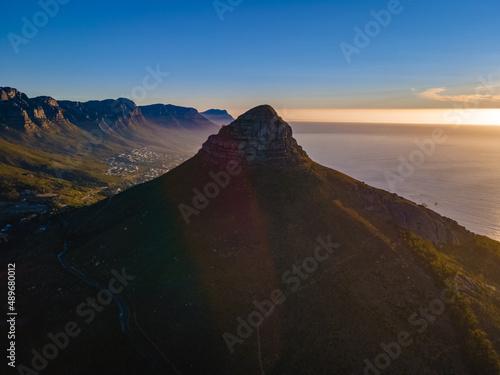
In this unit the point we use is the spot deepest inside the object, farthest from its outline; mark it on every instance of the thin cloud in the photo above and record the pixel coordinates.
(435, 94)
(490, 88)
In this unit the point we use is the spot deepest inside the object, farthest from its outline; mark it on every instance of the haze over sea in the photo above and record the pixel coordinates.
(460, 179)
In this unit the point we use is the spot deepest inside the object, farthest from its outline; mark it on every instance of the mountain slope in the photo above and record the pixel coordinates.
(361, 281)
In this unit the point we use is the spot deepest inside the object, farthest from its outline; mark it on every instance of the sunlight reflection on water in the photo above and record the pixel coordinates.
(459, 180)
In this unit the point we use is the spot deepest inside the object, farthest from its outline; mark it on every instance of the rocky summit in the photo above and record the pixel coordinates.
(17, 111)
(260, 136)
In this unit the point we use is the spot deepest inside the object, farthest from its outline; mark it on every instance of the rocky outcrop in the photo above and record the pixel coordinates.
(8, 93)
(13, 116)
(48, 109)
(19, 112)
(259, 136)
(422, 221)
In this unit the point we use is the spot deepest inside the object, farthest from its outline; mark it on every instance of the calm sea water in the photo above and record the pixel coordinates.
(459, 178)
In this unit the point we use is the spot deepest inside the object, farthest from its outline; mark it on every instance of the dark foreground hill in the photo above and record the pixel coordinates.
(250, 258)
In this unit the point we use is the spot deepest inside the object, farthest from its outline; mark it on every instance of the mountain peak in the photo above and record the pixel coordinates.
(264, 111)
(259, 136)
(218, 116)
(216, 112)
(7, 93)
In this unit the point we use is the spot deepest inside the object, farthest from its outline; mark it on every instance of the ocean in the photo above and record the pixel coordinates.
(455, 171)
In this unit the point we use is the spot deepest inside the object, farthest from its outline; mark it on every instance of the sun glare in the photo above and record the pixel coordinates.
(396, 116)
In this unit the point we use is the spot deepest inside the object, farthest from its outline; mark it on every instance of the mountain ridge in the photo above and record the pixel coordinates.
(17, 109)
(63, 145)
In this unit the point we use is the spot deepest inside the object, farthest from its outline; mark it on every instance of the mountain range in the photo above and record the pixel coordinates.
(62, 146)
(19, 112)
(250, 258)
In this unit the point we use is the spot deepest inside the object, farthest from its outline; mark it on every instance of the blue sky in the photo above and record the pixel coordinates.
(285, 53)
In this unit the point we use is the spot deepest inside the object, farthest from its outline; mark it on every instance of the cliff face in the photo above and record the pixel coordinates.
(176, 117)
(259, 136)
(418, 219)
(19, 112)
(101, 113)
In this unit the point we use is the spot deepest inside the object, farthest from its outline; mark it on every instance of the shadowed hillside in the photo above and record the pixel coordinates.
(250, 258)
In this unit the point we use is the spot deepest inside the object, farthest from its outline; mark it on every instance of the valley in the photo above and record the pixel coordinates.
(56, 156)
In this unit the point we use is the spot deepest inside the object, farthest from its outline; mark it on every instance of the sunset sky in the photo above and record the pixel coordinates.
(289, 54)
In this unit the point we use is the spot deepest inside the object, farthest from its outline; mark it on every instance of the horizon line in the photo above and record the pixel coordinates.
(431, 116)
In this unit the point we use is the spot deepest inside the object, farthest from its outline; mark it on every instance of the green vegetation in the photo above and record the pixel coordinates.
(23, 168)
(477, 348)
(488, 245)
(8, 191)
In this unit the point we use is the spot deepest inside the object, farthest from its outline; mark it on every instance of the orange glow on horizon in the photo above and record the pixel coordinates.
(395, 116)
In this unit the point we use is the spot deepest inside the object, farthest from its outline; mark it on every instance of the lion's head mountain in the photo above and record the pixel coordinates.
(284, 267)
